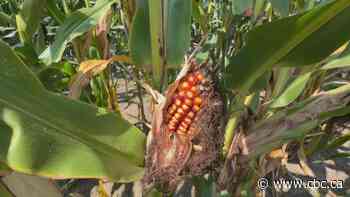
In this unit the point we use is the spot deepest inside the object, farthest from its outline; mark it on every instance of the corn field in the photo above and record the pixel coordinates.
(197, 98)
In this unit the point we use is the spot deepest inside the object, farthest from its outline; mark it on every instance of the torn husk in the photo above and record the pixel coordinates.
(187, 130)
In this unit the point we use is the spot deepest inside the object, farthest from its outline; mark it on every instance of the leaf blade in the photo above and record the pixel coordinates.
(75, 25)
(288, 34)
(63, 138)
(292, 91)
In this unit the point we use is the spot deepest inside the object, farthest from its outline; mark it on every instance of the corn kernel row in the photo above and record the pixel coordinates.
(186, 103)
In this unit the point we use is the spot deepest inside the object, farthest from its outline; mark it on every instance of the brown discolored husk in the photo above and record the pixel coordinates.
(173, 156)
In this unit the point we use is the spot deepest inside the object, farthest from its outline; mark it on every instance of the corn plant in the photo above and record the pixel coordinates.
(170, 97)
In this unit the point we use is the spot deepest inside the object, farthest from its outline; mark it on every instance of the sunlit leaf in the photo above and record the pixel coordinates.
(338, 142)
(342, 61)
(90, 68)
(46, 134)
(75, 25)
(258, 7)
(292, 91)
(28, 19)
(286, 41)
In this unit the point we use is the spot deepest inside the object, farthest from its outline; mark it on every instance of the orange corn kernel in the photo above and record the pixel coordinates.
(172, 109)
(196, 108)
(189, 94)
(191, 115)
(197, 101)
(173, 121)
(177, 116)
(187, 121)
(185, 85)
(185, 107)
(178, 102)
(180, 111)
(194, 89)
(192, 79)
(199, 76)
(188, 102)
(182, 94)
(184, 125)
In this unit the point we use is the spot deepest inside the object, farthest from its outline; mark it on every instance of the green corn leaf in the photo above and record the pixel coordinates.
(45, 134)
(176, 32)
(342, 61)
(29, 17)
(75, 25)
(292, 91)
(6, 19)
(140, 40)
(286, 41)
(338, 142)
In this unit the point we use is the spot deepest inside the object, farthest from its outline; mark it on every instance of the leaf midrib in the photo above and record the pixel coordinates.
(308, 31)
